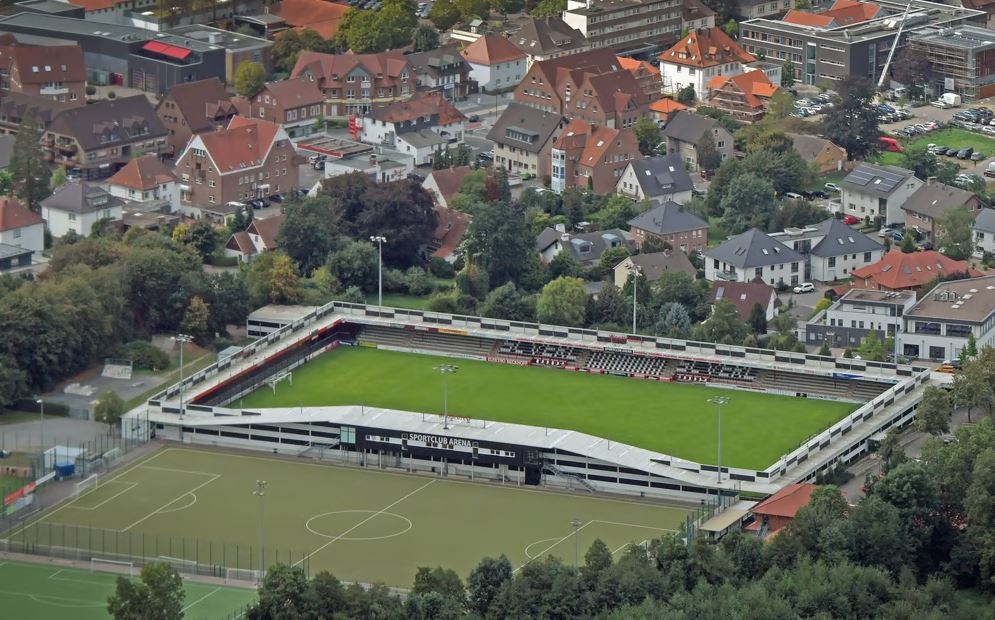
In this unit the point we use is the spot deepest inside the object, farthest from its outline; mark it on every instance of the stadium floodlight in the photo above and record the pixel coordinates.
(41, 426)
(576, 523)
(636, 271)
(181, 338)
(446, 370)
(379, 240)
(718, 401)
(260, 492)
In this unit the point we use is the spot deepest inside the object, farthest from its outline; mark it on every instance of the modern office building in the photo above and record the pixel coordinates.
(961, 60)
(625, 26)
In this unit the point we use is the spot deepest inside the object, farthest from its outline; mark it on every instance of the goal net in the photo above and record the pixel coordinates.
(106, 565)
(90, 482)
(242, 574)
(181, 565)
(287, 376)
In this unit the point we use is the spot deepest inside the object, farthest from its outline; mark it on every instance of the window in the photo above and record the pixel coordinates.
(210, 198)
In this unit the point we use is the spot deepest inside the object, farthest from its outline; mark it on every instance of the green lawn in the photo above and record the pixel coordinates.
(55, 592)
(666, 417)
(397, 300)
(361, 524)
(953, 138)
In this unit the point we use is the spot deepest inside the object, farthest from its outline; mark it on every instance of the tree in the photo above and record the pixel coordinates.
(562, 302)
(308, 233)
(973, 386)
(286, 47)
(920, 161)
(27, 163)
(13, 381)
(389, 27)
(686, 95)
(444, 14)
(499, 241)
(723, 326)
(549, 8)
(609, 308)
(613, 256)
(196, 320)
(871, 347)
(824, 349)
(748, 203)
(57, 179)
(648, 134)
(199, 235)
(781, 105)
(787, 74)
(326, 596)
(970, 348)
(273, 279)
(426, 38)
(757, 319)
(486, 581)
(731, 28)
(509, 303)
(709, 157)
(853, 124)
(679, 287)
(673, 322)
(911, 68)
(907, 246)
(402, 212)
(250, 78)
(109, 408)
(282, 594)
(355, 264)
(440, 580)
(956, 233)
(157, 595)
(935, 409)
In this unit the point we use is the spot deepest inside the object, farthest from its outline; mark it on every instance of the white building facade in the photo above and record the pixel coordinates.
(938, 326)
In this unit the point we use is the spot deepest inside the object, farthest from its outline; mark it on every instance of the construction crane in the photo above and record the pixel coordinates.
(894, 46)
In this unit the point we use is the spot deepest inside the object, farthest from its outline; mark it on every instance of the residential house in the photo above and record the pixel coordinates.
(899, 271)
(98, 139)
(523, 139)
(544, 38)
(420, 127)
(984, 233)
(624, 25)
(194, 108)
(878, 192)
(146, 180)
(656, 179)
(777, 511)
(382, 167)
(76, 206)
(586, 248)
(353, 83)
(858, 312)
(700, 56)
(53, 71)
(671, 223)
(654, 266)
(646, 73)
(442, 70)
(928, 205)
(20, 227)
(260, 236)
(832, 250)
(296, 104)
(495, 63)
(819, 152)
(686, 135)
(592, 156)
(250, 158)
(743, 96)
(940, 323)
(13, 107)
(445, 184)
(318, 15)
(754, 255)
(695, 15)
(663, 109)
(744, 296)
(449, 231)
(592, 86)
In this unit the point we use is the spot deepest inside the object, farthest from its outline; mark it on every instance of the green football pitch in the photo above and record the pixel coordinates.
(54, 591)
(671, 418)
(361, 524)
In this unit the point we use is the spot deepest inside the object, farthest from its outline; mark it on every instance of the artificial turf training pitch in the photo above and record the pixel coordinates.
(671, 418)
(361, 524)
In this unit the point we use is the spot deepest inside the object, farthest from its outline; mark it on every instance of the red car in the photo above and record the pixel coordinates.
(850, 220)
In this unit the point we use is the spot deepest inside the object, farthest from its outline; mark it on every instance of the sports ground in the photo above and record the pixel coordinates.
(363, 525)
(53, 591)
(671, 418)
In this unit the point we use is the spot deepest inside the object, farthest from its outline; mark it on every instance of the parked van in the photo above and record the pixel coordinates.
(890, 144)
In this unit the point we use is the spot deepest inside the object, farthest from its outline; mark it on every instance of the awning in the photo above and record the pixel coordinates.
(172, 51)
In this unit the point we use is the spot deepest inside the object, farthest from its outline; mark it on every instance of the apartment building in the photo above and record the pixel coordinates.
(858, 312)
(442, 70)
(699, 57)
(544, 38)
(495, 63)
(51, 69)
(592, 157)
(296, 104)
(193, 108)
(523, 139)
(938, 326)
(353, 83)
(625, 25)
(743, 97)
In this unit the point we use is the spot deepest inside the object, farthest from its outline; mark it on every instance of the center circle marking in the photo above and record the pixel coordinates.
(405, 524)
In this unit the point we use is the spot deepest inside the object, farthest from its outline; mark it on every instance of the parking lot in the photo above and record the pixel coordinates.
(944, 118)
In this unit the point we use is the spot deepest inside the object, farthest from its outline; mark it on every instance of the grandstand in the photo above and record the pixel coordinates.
(887, 395)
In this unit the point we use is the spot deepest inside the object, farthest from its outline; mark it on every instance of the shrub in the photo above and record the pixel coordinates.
(418, 282)
(111, 94)
(91, 90)
(145, 355)
(440, 268)
(394, 281)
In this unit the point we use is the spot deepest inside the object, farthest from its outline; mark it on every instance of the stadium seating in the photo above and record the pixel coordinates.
(624, 363)
(448, 343)
(848, 389)
(548, 354)
(715, 372)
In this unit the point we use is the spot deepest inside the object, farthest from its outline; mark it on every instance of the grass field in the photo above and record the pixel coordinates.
(51, 592)
(363, 525)
(666, 417)
(953, 138)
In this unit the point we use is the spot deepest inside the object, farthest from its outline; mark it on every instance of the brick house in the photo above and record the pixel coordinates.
(743, 96)
(592, 156)
(353, 83)
(248, 159)
(194, 108)
(55, 72)
(593, 86)
(441, 70)
(819, 152)
(296, 104)
(100, 138)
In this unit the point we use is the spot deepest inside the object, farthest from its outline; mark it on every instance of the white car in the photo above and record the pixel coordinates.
(832, 187)
(804, 287)
(885, 232)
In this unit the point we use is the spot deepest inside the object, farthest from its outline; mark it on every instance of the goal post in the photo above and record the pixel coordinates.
(90, 482)
(287, 375)
(242, 574)
(181, 565)
(107, 565)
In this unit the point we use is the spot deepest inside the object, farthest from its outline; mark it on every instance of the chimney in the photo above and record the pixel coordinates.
(930, 180)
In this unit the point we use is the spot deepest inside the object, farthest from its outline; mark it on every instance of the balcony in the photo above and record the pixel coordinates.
(49, 91)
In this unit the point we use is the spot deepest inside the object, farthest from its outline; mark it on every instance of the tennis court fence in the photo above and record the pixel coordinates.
(190, 556)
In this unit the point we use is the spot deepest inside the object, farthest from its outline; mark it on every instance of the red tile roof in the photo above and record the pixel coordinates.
(449, 231)
(267, 229)
(449, 180)
(243, 144)
(43, 64)
(330, 70)
(786, 502)
(491, 50)
(804, 18)
(842, 13)
(706, 48)
(635, 66)
(318, 15)
(754, 84)
(242, 243)
(146, 172)
(426, 104)
(900, 271)
(666, 106)
(14, 215)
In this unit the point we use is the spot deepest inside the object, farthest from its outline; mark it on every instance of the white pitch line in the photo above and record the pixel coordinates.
(214, 591)
(133, 485)
(645, 527)
(546, 550)
(172, 501)
(179, 471)
(53, 575)
(369, 518)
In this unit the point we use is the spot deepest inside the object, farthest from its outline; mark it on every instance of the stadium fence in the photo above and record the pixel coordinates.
(191, 556)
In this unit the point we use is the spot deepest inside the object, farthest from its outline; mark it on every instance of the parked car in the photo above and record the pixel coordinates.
(850, 220)
(884, 232)
(965, 153)
(897, 236)
(832, 187)
(277, 198)
(804, 287)
(474, 118)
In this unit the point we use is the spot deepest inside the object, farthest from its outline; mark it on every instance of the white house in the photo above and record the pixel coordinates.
(20, 227)
(76, 206)
(495, 63)
(984, 232)
(938, 326)
(145, 180)
(417, 128)
(857, 313)
(752, 255)
(832, 250)
(698, 57)
(878, 191)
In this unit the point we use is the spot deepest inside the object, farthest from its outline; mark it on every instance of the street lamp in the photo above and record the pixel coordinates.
(181, 338)
(635, 271)
(260, 492)
(41, 427)
(576, 523)
(446, 370)
(718, 401)
(379, 240)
